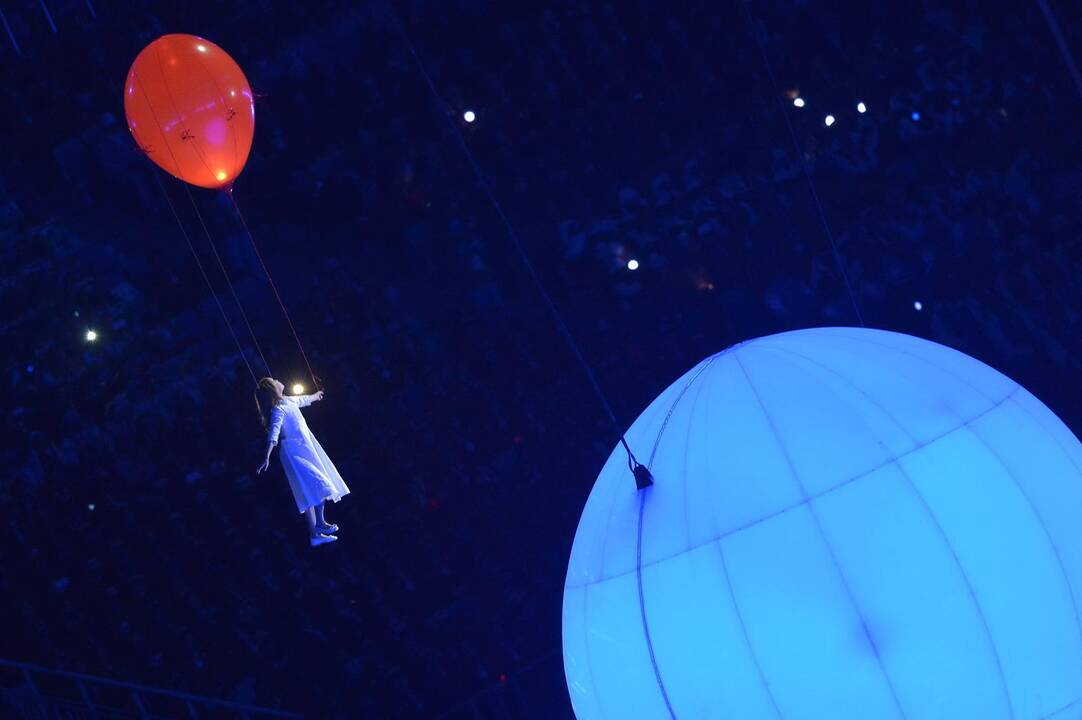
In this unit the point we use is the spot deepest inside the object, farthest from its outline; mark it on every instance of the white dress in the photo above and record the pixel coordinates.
(312, 476)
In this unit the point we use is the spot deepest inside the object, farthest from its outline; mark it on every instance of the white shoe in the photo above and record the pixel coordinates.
(322, 539)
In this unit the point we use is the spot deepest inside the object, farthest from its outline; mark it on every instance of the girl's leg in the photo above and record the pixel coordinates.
(319, 515)
(315, 534)
(310, 517)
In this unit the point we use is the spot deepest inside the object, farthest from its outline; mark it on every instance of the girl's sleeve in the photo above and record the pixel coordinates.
(302, 400)
(278, 415)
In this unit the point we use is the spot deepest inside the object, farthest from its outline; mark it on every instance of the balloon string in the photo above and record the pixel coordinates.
(804, 165)
(228, 280)
(191, 247)
(206, 278)
(642, 475)
(206, 232)
(274, 288)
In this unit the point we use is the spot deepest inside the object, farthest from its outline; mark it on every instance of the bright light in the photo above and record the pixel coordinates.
(298, 389)
(201, 48)
(90, 507)
(798, 101)
(469, 116)
(91, 336)
(862, 108)
(221, 175)
(915, 116)
(829, 120)
(632, 264)
(918, 305)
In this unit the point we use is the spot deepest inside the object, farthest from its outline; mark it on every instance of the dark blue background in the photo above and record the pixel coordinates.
(467, 433)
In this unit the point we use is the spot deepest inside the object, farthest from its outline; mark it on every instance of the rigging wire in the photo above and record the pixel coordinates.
(274, 287)
(203, 272)
(803, 163)
(228, 280)
(1061, 42)
(195, 255)
(641, 472)
(642, 475)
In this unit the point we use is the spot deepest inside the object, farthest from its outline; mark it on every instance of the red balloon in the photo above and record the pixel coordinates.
(190, 109)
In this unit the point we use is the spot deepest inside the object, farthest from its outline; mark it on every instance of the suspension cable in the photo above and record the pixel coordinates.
(203, 272)
(195, 255)
(274, 288)
(803, 164)
(228, 280)
(643, 477)
(1064, 50)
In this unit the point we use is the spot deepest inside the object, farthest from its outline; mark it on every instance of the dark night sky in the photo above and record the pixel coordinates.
(458, 416)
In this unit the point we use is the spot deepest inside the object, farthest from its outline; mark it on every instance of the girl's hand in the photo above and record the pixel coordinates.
(262, 467)
(317, 396)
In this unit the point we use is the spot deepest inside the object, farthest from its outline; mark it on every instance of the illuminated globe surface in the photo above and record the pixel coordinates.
(845, 523)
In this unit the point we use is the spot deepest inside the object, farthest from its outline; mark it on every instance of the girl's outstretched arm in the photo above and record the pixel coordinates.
(306, 400)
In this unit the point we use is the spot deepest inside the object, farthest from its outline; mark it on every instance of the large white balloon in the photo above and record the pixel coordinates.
(845, 523)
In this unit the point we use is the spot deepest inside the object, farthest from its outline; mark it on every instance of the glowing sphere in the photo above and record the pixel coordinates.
(845, 523)
(798, 101)
(633, 264)
(298, 389)
(91, 336)
(469, 116)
